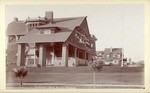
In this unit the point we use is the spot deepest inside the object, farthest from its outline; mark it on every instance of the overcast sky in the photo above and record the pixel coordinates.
(114, 25)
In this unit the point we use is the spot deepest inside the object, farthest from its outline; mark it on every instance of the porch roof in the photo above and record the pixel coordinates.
(35, 37)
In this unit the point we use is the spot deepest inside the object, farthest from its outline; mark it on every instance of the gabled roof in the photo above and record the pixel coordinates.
(34, 36)
(69, 23)
(16, 28)
(19, 27)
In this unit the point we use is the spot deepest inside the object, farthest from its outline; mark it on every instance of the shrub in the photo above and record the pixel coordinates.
(20, 73)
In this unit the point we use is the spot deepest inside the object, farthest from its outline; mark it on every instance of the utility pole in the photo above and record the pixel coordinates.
(122, 36)
(122, 58)
(34, 54)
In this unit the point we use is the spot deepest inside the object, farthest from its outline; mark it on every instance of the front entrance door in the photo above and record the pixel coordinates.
(49, 55)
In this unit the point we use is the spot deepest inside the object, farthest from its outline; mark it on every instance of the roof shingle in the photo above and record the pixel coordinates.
(16, 28)
(33, 37)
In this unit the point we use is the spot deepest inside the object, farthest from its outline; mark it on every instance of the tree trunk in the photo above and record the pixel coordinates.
(94, 77)
(21, 82)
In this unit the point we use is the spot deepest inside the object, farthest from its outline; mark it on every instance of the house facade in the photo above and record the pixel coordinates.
(48, 41)
(110, 56)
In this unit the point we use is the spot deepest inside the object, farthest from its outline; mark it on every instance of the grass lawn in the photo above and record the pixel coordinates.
(87, 78)
(81, 75)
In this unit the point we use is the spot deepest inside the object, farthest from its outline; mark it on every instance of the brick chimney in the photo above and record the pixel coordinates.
(111, 49)
(16, 19)
(49, 16)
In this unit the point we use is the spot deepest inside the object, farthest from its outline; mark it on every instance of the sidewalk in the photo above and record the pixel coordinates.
(62, 85)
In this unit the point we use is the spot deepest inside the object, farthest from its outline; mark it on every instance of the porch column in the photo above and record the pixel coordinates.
(65, 54)
(53, 54)
(21, 55)
(75, 55)
(42, 55)
(85, 56)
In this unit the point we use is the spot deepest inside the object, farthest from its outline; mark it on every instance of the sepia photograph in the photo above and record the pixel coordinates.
(88, 46)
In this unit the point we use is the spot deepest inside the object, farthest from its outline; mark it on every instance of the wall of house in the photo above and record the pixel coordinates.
(72, 62)
(11, 51)
(83, 29)
(59, 62)
(30, 62)
(74, 41)
(81, 62)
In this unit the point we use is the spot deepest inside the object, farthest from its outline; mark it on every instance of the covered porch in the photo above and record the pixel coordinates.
(51, 54)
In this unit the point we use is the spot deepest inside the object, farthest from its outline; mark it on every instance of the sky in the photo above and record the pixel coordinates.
(114, 25)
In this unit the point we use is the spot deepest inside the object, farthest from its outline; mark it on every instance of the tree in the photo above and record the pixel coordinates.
(95, 66)
(20, 73)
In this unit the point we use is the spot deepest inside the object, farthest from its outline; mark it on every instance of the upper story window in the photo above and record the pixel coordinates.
(92, 45)
(119, 56)
(107, 56)
(34, 24)
(81, 37)
(99, 53)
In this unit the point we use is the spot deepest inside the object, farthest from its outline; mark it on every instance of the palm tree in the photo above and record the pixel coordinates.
(20, 73)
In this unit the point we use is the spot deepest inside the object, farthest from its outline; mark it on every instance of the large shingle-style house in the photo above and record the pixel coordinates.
(49, 41)
(110, 56)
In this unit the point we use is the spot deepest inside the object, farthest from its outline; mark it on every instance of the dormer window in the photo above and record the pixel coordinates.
(49, 30)
(45, 31)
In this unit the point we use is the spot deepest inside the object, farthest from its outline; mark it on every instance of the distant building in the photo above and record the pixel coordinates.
(110, 56)
(49, 41)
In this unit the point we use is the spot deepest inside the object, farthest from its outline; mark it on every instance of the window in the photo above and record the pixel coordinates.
(58, 49)
(30, 25)
(45, 31)
(108, 56)
(71, 51)
(99, 53)
(114, 55)
(119, 56)
(49, 31)
(36, 24)
(81, 55)
(92, 45)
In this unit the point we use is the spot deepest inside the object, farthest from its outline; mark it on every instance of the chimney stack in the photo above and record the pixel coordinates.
(16, 19)
(49, 16)
(111, 49)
